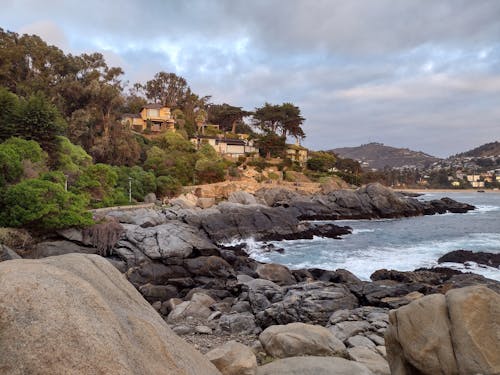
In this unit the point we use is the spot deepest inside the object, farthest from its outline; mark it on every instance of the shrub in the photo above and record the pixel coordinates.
(167, 186)
(41, 204)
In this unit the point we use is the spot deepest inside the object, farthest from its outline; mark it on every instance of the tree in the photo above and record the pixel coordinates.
(285, 119)
(271, 145)
(166, 88)
(41, 121)
(227, 116)
(41, 204)
(9, 113)
(321, 161)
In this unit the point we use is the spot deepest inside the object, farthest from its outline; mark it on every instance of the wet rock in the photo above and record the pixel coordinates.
(462, 256)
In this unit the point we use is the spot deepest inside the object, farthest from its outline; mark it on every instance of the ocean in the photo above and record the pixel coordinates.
(399, 244)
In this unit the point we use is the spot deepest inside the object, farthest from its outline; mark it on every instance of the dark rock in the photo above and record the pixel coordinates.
(338, 276)
(158, 292)
(302, 275)
(211, 266)
(309, 230)
(52, 248)
(427, 276)
(237, 323)
(155, 273)
(7, 253)
(306, 302)
(462, 256)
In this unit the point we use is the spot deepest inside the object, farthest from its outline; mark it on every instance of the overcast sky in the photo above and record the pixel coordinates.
(423, 74)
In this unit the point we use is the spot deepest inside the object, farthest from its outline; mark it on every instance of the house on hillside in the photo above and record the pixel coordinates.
(297, 153)
(154, 117)
(226, 146)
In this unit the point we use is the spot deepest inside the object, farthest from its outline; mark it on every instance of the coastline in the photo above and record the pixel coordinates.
(424, 191)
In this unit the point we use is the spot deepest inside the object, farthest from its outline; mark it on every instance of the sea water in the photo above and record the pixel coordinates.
(400, 244)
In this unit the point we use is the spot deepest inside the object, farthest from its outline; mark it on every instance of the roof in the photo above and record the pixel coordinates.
(153, 106)
(133, 115)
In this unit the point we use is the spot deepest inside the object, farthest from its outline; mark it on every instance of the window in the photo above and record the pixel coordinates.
(153, 113)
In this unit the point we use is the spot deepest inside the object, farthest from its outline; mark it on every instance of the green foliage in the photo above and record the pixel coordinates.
(174, 142)
(42, 204)
(9, 104)
(284, 119)
(142, 182)
(260, 164)
(99, 183)
(39, 120)
(271, 145)
(71, 159)
(167, 186)
(321, 161)
(209, 171)
(18, 158)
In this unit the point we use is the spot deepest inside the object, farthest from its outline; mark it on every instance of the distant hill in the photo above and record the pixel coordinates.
(378, 156)
(488, 149)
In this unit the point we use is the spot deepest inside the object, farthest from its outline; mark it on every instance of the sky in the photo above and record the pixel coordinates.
(422, 74)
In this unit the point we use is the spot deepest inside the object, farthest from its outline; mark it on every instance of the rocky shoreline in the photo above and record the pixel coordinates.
(211, 294)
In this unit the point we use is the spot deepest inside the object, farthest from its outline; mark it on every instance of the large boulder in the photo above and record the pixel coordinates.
(276, 273)
(242, 197)
(77, 314)
(453, 334)
(313, 366)
(305, 302)
(296, 339)
(371, 359)
(233, 358)
(172, 239)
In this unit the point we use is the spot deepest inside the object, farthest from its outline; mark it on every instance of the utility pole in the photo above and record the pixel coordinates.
(65, 183)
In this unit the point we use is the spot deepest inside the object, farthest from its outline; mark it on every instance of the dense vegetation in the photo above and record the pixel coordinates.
(63, 148)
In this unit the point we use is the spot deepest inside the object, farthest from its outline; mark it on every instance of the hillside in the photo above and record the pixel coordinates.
(488, 149)
(378, 156)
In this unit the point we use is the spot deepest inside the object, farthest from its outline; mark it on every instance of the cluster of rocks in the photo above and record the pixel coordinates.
(210, 294)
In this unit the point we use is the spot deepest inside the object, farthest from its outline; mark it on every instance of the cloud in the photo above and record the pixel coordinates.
(407, 73)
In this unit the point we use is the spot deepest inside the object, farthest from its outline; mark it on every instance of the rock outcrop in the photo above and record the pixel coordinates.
(480, 257)
(456, 333)
(77, 314)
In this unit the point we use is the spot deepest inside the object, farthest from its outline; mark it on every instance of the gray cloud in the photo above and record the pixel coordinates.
(416, 73)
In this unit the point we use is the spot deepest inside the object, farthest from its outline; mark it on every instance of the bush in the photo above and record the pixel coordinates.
(99, 182)
(209, 171)
(142, 182)
(167, 186)
(20, 158)
(41, 204)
